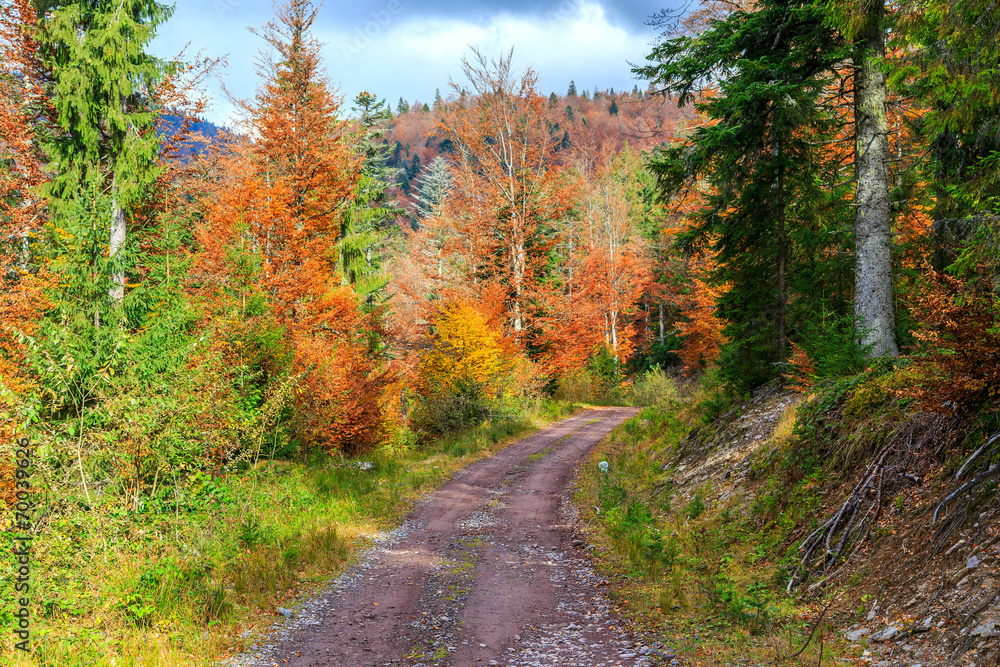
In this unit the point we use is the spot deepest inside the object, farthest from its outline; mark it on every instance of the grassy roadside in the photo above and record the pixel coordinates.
(705, 513)
(688, 566)
(196, 577)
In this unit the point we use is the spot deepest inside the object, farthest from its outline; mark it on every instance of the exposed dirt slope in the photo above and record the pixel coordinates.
(920, 591)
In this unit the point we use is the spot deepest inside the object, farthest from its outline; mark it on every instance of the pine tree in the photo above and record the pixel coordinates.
(102, 79)
(613, 109)
(369, 214)
(773, 63)
(571, 92)
(403, 106)
(874, 306)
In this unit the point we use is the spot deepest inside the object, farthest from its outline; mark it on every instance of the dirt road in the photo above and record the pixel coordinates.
(487, 571)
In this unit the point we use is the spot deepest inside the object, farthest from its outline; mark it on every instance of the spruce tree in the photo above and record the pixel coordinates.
(760, 158)
(865, 24)
(102, 80)
(369, 214)
(571, 92)
(435, 184)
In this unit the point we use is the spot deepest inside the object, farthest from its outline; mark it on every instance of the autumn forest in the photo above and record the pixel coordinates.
(793, 194)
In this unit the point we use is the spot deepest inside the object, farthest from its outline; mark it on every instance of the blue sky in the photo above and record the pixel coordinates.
(409, 48)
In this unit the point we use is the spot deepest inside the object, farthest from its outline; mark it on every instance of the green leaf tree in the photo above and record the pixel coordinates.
(760, 161)
(370, 214)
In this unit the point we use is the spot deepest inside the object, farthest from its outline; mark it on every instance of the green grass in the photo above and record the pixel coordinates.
(181, 580)
(694, 570)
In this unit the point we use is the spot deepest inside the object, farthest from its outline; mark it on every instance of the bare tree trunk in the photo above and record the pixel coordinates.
(873, 299)
(782, 298)
(663, 334)
(117, 241)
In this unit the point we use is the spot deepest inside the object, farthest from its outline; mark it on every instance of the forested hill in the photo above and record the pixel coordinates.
(199, 133)
(598, 122)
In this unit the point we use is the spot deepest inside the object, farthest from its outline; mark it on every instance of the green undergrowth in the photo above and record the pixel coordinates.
(707, 573)
(192, 576)
(704, 562)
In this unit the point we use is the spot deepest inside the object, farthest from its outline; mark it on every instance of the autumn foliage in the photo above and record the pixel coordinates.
(271, 228)
(959, 345)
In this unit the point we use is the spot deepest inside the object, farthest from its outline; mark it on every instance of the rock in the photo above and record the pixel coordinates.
(972, 563)
(885, 635)
(987, 629)
(963, 582)
(287, 613)
(856, 635)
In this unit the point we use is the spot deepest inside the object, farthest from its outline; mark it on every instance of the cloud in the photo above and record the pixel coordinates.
(409, 48)
(632, 13)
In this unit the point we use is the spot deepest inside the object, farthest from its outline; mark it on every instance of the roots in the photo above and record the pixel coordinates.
(830, 547)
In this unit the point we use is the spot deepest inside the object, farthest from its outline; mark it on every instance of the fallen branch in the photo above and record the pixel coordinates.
(971, 484)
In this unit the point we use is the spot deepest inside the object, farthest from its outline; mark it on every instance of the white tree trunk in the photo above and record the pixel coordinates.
(117, 241)
(873, 298)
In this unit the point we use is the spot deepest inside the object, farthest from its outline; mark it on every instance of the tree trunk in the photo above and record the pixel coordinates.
(663, 335)
(117, 241)
(782, 298)
(873, 299)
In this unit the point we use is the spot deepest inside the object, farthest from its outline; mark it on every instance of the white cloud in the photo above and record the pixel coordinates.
(395, 53)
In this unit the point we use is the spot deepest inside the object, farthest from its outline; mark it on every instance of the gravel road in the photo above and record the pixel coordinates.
(486, 571)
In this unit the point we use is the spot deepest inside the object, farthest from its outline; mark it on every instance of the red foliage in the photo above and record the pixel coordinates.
(271, 227)
(960, 341)
(24, 107)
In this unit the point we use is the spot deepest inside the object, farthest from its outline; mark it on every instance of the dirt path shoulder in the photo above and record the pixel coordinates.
(487, 571)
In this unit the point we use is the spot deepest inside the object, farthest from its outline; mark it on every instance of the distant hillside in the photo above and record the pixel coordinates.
(605, 121)
(198, 135)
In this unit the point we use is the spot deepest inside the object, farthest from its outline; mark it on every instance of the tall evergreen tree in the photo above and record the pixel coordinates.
(864, 22)
(772, 64)
(435, 184)
(102, 77)
(368, 217)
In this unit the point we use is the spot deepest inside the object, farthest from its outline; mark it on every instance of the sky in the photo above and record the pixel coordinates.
(411, 48)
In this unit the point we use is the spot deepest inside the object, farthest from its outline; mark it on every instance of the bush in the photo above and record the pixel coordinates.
(653, 388)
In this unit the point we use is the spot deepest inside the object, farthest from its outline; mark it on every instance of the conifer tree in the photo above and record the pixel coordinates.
(772, 62)
(102, 78)
(369, 214)
(865, 24)
(435, 184)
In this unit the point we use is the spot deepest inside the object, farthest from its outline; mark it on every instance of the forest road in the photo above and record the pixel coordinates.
(486, 571)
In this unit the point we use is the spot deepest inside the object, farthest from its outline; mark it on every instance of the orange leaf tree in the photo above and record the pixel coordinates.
(506, 189)
(24, 108)
(273, 223)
